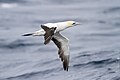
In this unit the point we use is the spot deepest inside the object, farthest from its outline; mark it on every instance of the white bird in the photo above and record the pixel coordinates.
(51, 31)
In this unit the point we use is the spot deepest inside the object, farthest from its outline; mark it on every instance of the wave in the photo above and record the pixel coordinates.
(8, 5)
(32, 74)
(97, 64)
(116, 78)
(12, 1)
(45, 72)
(113, 9)
(17, 44)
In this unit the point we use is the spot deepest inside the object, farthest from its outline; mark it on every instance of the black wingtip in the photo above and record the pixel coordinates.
(66, 69)
(46, 43)
(65, 65)
(29, 34)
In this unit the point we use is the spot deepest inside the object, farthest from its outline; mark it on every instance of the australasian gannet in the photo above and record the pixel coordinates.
(51, 31)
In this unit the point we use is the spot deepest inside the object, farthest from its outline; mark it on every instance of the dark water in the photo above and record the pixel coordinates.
(94, 45)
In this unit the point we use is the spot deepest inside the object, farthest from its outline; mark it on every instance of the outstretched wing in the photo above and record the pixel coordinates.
(63, 46)
(49, 32)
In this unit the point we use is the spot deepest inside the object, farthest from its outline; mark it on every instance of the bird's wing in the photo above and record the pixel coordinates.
(49, 32)
(63, 46)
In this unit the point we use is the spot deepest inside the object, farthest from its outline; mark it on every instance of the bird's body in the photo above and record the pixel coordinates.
(60, 26)
(51, 31)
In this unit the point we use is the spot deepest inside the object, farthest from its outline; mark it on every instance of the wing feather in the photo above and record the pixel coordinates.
(49, 32)
(62, 44)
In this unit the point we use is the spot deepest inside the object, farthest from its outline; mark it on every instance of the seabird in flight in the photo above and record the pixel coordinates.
(51, 31)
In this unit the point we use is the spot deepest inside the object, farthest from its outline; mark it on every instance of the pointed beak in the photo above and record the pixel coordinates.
(77, 23)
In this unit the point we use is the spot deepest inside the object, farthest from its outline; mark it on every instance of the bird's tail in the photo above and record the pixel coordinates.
(36, 33)
(28, 34)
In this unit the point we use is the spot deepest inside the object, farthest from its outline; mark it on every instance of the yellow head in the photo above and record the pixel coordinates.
(72, 23)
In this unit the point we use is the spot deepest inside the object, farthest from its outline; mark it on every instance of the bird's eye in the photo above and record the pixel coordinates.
(73, 23)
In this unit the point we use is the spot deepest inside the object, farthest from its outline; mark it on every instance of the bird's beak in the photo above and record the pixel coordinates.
(77, 23)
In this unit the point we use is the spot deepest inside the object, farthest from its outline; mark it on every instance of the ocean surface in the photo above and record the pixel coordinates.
(94, 45)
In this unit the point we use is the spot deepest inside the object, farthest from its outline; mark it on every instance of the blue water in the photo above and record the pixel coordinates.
(94, 45)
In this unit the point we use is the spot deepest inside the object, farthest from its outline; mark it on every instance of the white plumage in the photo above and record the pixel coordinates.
(51, 31)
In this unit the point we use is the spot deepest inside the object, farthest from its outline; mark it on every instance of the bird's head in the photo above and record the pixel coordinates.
(72, 23)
